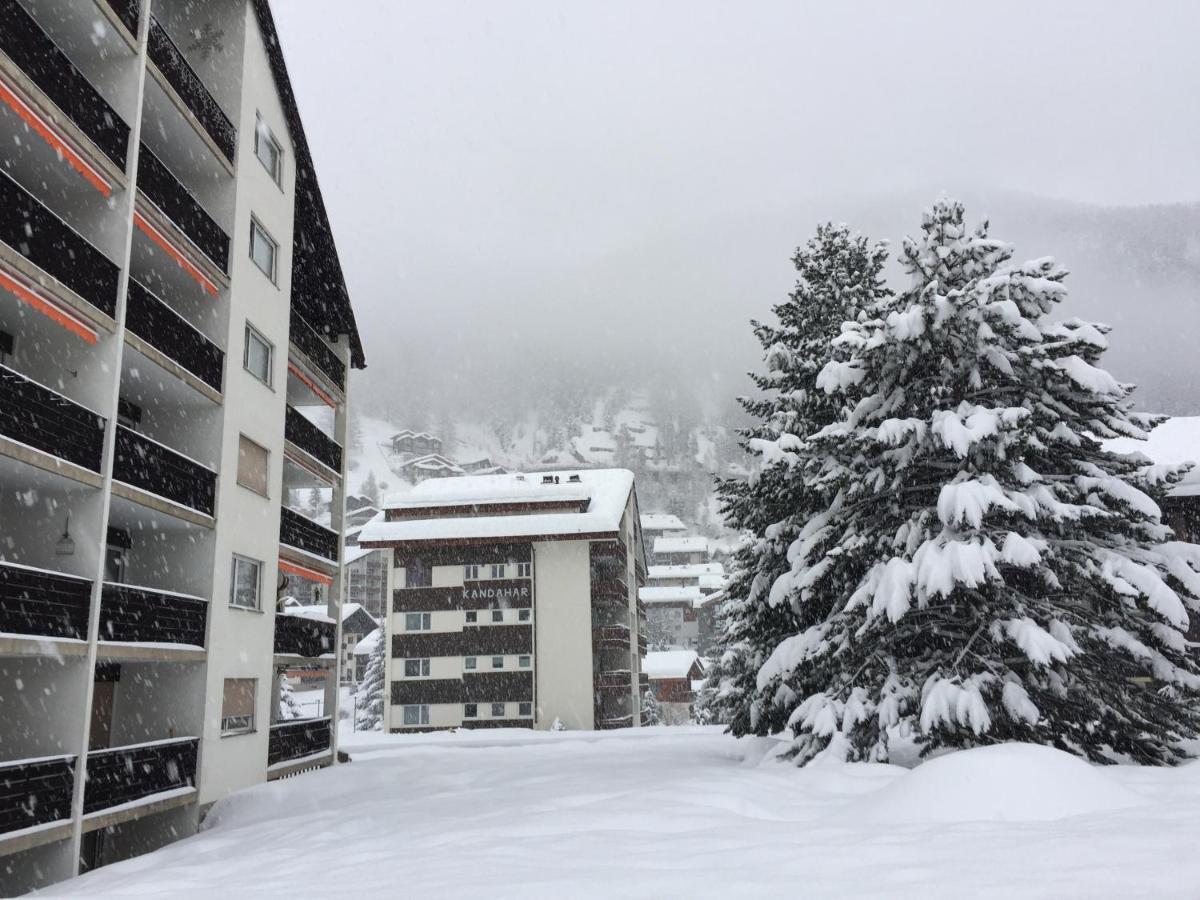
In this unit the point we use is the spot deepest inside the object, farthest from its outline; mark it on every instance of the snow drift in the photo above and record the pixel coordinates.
(1002, 783)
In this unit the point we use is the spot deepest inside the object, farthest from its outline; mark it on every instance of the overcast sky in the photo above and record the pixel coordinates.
(467, 150)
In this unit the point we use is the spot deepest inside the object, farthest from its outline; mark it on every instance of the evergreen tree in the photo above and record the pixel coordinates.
(840, 280)
(651, 714)
(370, 693)
(982, 569)
(370, 489)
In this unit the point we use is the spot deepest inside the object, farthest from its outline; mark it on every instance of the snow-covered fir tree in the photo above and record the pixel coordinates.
(651, 715)
(369, 697)
(840, 279)
(982, 569)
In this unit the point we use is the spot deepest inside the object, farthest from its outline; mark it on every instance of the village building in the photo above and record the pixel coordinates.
(514, 602)
(671, 616)
(678, 551)
(656, 525)
(415, 443)
(176, 340)
(673, 676)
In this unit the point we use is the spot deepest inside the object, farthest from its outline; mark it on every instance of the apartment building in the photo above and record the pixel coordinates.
(514, 602)
(175, 338)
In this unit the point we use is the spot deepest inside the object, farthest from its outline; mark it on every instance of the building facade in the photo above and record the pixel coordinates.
(175, 338)
(514, 602)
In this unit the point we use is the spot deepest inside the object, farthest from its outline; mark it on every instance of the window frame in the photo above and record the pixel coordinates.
(525, 661)
(497, 662)
(503, 711)
(525, 710)
(472, 617)
(261, 129)
(470, 663)
(422, 713)
(422, 667)
(233, 582)
(250, 720)
(497, 616)
(424, 621)
(524, 570)
(254, 333)
(257, 227)
(470, 572)
(498, 571)
(470, 710)
(524, 615)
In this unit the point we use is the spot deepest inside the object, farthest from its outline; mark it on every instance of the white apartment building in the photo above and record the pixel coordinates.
(514, 602)
(175, 338)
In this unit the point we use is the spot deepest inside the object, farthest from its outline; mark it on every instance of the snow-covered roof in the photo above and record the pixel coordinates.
(409, 433)
(1175, 441)
(367, 644)
(669, 663)
(431, 461)
(685, 570)
(354, 554)
(662, 522)
(320, 613)
(691, 544)
(606, 490)
(686, 594)
(712, 582)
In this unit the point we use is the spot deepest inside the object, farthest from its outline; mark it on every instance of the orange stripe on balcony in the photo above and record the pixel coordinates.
(186, 264)
(310, 574)
(312, 386)
(47, 307)
(51, 136)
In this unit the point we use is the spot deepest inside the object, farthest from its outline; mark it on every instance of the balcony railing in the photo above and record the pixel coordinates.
(178, 204)
(191, 90)
(127, 11)
(144, 463)
(35, 792)
(304, 534)
(125, 774)
(44, 604)
(141, 615)
(167, 331)
(322, 356)
(618, 678)
(298, 739)
(55, 247)
(611, 636)
(300, 636)
(46, 420)
(36, 54)
(312, 440)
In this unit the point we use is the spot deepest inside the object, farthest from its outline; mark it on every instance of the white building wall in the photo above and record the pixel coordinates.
(563, 634)
(248, 524)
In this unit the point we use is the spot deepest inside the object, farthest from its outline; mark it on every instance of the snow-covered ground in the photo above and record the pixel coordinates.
(682, 812)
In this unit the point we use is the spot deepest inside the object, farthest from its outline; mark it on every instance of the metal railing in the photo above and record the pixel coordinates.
(125, 774)
(35, 792)
(38, 417)
(178, 204)
(311, 439)
(298, 739)
(44, 604)
(191, 89)
(310, 343)
(300, 636)
(168, 332)
(134, 614)
(144, 463)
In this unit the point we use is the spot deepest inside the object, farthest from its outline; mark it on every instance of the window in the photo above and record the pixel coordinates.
(414, 668)
(258, 355)
(237, 706)
(469, 662)
(497, 710)
(498, 570)
(417, 621)
(497, 615)
(497, 662)
(470, 573)
(524, 614)
(245, 584)
(526, 710)
(472, 616)
(268, 151)
(470, 710)
(262, 249)
(253, 463)
(416, 715)
(524, 570)
(524, 662)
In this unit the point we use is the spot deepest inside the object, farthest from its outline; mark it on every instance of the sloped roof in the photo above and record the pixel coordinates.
(319, 294)
(680, 545)
(670, 663)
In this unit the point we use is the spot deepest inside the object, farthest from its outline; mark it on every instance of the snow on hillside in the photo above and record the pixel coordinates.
(680, 812)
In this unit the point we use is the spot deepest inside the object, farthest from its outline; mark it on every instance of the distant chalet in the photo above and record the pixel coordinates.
(514, 602)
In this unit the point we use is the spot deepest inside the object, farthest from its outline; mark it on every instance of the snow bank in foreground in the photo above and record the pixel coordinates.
(1003, 783)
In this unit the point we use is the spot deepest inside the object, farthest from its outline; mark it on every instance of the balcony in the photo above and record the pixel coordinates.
(611, 637)
(152, 467)
(55, 247)
(312, 440)
(172, 335)
(35, 792)
(614, 679)
(320, 353)
(298, 739)
(301, 636)
(609, 722)
(191, 90)
(127, 11)
(45, 420)
(43, 604)
(304, 534)
(131, 614)
(127, 774)
(33, 51)
(176, 202)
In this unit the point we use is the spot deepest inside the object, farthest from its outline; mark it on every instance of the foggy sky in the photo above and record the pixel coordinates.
(504, 172)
